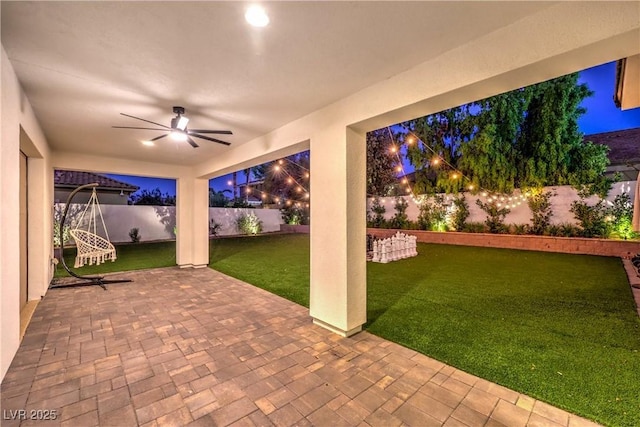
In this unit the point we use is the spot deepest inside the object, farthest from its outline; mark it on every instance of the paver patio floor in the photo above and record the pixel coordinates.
(196, 347)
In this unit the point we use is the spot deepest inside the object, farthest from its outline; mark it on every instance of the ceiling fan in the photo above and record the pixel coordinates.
(178, 130)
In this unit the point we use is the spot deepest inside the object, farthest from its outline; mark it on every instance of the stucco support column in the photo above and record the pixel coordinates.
(338, 299)
(192, 222)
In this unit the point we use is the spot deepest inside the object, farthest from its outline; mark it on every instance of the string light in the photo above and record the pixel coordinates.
(436, 160)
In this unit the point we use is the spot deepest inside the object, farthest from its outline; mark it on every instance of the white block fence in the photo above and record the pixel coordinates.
(158, 222)
(560, 205)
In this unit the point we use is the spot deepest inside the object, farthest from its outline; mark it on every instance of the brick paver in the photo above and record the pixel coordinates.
(196, 347)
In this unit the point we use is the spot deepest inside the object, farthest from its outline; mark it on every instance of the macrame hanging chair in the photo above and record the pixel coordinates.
(92, 249)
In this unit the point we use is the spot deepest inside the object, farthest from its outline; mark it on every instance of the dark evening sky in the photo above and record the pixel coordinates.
(602, 116)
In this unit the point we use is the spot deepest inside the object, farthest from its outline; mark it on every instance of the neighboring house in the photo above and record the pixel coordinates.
(627, 95)
(110, 191)
(254, 197)
(624, 151)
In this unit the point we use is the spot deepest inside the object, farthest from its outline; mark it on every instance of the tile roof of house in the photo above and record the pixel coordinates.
(66, 178)
(624, 145)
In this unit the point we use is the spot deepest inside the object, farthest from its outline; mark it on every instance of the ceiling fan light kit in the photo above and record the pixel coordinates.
(178, 129)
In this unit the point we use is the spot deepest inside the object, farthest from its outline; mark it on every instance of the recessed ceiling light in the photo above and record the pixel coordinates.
(148, 143)
(257, 16)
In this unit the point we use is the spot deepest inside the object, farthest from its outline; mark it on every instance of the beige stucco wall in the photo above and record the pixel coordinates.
(21, 131)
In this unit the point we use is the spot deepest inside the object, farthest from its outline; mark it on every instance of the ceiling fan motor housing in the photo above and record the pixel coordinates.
(179, 128)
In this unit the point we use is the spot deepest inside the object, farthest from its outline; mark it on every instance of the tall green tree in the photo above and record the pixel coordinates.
(443, 134)
(528, 137)
(287, 178)
(381, 163)
(551, 145)
(218, 199)
(489, 158)
(152, 197)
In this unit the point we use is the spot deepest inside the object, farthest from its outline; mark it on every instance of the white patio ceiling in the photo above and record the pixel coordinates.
(83, 63)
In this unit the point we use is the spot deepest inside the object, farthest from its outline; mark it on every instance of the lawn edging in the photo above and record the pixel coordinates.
(571, 245)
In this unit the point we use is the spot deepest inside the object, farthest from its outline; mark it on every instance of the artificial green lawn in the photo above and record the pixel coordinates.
(561, 328)
(130, 257)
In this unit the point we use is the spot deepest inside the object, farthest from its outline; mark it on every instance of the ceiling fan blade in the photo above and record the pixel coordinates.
(158, 137)
(222, 132)
(210, 139)
(135, 127)
(145, 120)
(192, 142)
